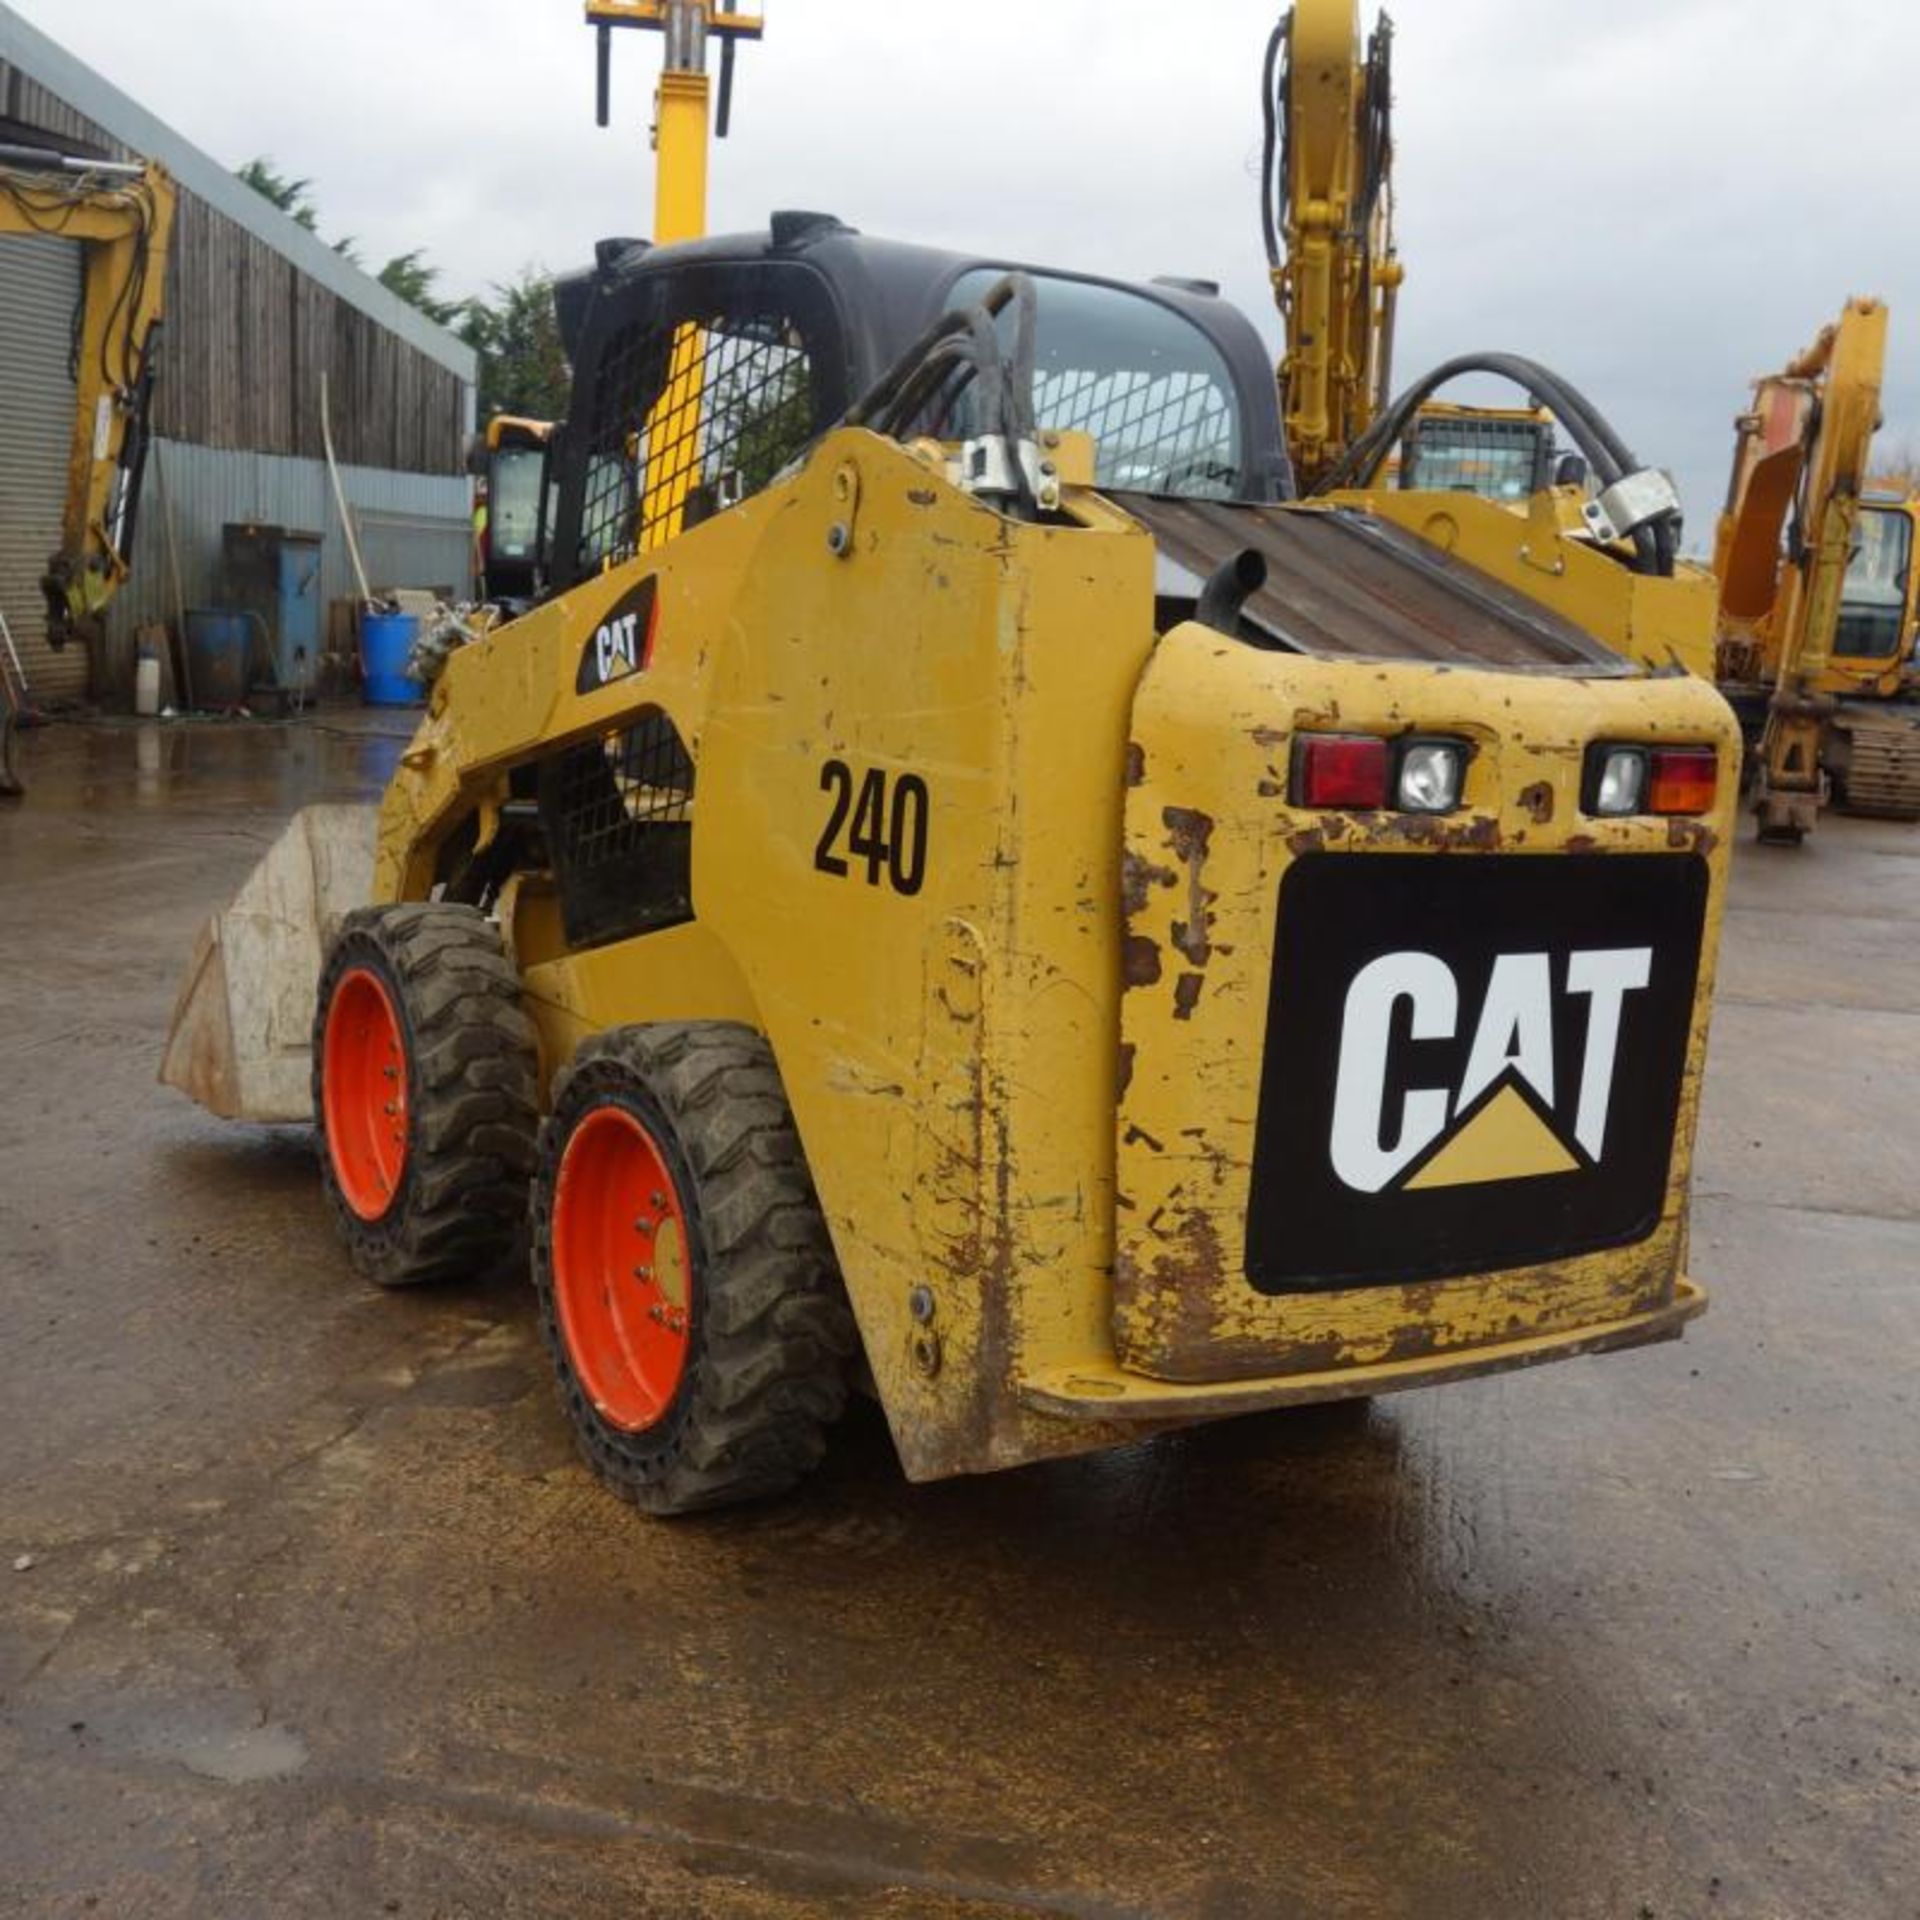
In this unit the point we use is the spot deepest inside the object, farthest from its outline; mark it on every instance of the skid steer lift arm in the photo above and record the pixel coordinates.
(122, 214)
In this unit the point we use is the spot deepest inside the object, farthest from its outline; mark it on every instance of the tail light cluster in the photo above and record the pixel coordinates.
(1422, 773)
(1417, 774)
(1623, 779)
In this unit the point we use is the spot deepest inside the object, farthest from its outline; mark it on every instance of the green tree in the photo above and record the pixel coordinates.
(760, 416)
(408, 275)
(293, 197)
(523, 366)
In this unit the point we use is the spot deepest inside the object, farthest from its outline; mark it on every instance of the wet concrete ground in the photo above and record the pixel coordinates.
(322, 1618)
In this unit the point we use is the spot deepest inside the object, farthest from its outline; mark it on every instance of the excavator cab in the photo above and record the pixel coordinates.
(511, 461)
(1876, 625)
(1500, 453)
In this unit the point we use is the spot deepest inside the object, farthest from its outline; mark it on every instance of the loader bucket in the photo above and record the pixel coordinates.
(241, 1033)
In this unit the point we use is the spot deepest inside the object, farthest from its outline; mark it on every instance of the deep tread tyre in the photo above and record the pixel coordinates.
(768, 1339)
(420, 1003)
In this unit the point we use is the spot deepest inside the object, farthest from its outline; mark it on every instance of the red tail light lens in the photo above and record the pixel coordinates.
(1339, 770)
(1682, 779)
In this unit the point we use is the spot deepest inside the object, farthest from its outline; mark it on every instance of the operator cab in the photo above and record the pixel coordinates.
(1500, 453)
(1875, 597)
(510, 460)
(704, 370)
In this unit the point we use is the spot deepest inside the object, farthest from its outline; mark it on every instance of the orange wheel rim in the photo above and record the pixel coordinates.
(622, 1269)
(363, 1079)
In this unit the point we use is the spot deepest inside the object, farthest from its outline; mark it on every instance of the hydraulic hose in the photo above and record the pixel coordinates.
(1655, 546)
(966, 342)
(1270, 114)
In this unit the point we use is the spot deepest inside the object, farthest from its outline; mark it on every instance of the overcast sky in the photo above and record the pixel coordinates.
(1659, 198)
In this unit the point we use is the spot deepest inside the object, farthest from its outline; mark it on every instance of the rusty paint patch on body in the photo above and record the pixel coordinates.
(1140, 961)
(1138, 876)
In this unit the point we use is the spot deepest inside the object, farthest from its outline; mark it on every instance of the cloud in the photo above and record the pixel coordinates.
(1660, 198)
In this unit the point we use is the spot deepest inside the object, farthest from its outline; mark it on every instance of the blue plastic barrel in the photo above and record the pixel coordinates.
(218, 650)
(386, 639)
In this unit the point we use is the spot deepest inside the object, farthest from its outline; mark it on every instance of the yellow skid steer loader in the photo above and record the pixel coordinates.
(966, 871)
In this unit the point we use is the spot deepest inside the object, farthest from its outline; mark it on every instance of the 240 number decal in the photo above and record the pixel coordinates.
(887, 828)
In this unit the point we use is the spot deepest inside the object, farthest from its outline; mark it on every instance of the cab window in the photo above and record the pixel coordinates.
(1873, 602)
(1142, 379)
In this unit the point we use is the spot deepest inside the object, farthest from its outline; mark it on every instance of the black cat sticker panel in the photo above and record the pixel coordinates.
(1472, 1062)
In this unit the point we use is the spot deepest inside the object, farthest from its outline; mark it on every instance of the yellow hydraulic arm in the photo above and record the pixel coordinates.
(680, 137)
(122, 215)
(1802, 452)
(1327, 210)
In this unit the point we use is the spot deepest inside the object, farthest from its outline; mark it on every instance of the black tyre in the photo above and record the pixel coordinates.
(688, 1294)
(425, 1093)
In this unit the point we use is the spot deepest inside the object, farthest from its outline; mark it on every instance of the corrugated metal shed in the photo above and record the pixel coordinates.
(39, 282)
(258, 310)
(415, 529)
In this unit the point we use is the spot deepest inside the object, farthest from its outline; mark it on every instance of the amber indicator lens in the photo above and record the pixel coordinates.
(1682, 779)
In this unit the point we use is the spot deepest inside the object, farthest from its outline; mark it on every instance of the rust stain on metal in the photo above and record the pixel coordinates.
(1136, 764)
(1140, 961)
(1538, 801)
(1691, 836)
(1180, 1289)
(1124, 1078)
(1138, 875)
(1186, 995)
(1190, 833)
(923, 496)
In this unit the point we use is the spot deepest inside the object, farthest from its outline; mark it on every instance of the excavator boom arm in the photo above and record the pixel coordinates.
(1328, 204)
(122, 215)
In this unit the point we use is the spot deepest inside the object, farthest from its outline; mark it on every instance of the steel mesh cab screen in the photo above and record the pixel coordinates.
(686, 421)
(618, 819)
(1150, 388)
(1466, 453)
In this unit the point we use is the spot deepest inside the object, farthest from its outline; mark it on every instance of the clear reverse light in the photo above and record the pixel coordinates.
(1622, 783)
(1430, 776)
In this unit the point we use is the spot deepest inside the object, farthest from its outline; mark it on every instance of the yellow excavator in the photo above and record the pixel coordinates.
(1817, 587)
(1491, 484)
(122, 216)
(844, 972)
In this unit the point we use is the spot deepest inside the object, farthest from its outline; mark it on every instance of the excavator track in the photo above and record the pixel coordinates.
(1878, 762)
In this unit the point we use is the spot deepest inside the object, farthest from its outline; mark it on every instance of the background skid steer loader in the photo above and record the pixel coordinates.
(969, 870)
